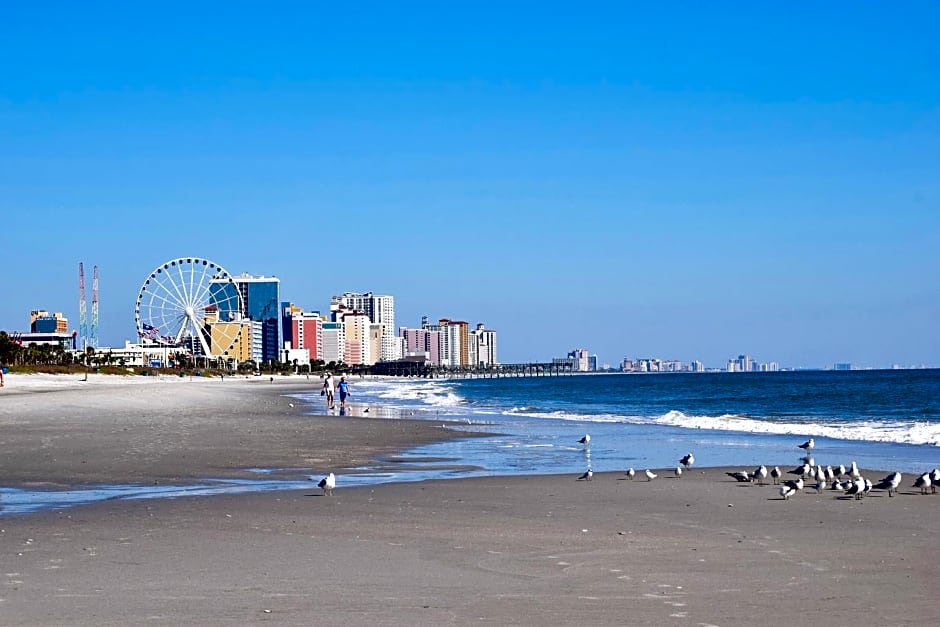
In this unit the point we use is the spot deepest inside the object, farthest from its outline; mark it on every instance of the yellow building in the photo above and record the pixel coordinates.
(229, 340)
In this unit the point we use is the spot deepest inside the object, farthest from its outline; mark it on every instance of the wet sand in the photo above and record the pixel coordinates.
(701, 550)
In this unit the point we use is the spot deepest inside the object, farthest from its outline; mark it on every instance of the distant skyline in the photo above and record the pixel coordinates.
(679, 181)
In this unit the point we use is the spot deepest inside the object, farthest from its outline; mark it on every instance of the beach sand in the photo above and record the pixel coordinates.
(546, 550)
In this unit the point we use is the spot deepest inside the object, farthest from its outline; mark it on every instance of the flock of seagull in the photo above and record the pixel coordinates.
(842, 480)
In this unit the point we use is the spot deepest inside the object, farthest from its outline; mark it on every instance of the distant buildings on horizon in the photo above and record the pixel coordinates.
(581, 360)
(359, 329)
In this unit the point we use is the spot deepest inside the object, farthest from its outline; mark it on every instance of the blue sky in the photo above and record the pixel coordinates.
(681, 181)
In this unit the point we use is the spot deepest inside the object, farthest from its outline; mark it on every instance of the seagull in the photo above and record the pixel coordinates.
(838, 486)
(923, 482)
(830, 473)
(290, 404)
(808, 445)
(841, 472)
(649, 475)
(802, 471)
(809, 459)
(868, 486)
(678, 472)
(587, 476)
(775, 473)
(786, 491)
(853, 471)
(327, 484)
(585, 440)
(687, 461)
(759, 475)
(366, 410)
(856, 488)
(741, 476)
(820, 474)
(796, 485)
(820, 486)
(934, 480)
(630, 474)
(889, 483)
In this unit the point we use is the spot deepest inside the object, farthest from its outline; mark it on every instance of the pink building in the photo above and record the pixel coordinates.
(422, 341)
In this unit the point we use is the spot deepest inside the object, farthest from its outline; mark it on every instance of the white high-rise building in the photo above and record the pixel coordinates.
(380, 309)
(482, 347)
(334, 342)
(581, 359)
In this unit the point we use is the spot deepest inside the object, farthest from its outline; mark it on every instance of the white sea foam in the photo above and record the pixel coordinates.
(429, 393)
(901, 432)
(442, 395)
(868, 431)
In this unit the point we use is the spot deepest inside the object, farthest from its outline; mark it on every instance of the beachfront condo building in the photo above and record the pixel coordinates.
(261, 296)
(302, 330)
(357, 348)
(333, 342)
(237, 340)
(482, 347)
(446, 343)
(380, 309)
(423, 341)
(454, 342)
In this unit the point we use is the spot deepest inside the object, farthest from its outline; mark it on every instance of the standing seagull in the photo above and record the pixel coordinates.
(802, 471)
(923, 482)
(327, 484)
(760, 474)
(889, 483)
(678, 472)
(649, 475)
(585, 440)
(856, 488)
(808, 445)
(587, 476)
(934, 480)
(630, 474)
(820, 474)
(776, 474)
(687, 461)
(741, 476)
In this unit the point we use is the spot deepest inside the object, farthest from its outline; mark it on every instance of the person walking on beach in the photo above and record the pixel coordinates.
(328, 390)
(343, 392)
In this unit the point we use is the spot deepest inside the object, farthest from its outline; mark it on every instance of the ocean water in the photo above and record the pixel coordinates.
(887, 420)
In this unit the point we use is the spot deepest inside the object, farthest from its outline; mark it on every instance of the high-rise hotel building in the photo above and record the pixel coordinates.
(378, 309)
(260, 302)
(450, 343)
(302, 329)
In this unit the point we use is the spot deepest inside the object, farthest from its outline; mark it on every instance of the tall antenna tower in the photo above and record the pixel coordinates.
(82, 308)
(93, 339)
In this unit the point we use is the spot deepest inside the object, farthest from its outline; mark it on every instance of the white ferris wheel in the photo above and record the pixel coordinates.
(190, 303)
